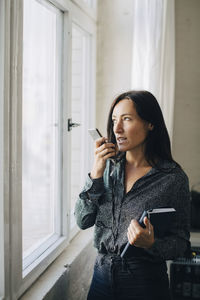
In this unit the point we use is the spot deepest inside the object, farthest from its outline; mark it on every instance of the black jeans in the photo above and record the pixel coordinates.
(114, 279)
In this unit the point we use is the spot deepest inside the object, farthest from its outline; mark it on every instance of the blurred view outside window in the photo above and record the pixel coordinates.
(41, 124)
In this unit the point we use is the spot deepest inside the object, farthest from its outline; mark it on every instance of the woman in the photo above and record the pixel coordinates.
(143, 176)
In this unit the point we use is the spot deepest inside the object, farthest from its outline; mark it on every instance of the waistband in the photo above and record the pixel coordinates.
(105, 261)
(138, 260)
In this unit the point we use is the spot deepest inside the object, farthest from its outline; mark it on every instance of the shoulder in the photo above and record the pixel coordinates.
(173, 170)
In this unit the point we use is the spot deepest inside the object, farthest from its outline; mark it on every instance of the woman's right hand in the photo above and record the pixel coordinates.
(103, 151)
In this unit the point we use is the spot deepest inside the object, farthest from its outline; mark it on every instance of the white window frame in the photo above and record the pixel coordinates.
(14, 281)
(89, 10)
(90, 106)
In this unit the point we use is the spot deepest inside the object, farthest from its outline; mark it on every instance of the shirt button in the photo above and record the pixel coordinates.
(113, 248)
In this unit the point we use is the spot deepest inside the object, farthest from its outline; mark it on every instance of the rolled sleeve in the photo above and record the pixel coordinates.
(93, 189)
(87, 203)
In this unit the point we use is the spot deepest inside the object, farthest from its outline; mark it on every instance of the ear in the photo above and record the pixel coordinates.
(150, 126)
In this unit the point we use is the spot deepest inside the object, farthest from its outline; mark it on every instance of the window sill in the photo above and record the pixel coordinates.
(61, 267)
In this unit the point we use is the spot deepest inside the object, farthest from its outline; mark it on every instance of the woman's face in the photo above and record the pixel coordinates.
(129, 129)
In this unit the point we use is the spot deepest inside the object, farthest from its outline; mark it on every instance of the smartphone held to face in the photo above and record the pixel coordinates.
(95, 134)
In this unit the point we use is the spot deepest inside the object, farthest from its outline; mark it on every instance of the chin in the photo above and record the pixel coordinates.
(122, 148)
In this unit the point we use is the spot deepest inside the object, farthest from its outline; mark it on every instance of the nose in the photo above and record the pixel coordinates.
(118, 127)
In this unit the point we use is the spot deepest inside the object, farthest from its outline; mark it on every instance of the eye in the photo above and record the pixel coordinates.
(114, 121)
(127, 118)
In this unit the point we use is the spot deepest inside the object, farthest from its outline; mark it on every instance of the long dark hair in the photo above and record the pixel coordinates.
(157, 144)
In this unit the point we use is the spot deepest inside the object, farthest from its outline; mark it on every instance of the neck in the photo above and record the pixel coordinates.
(136, 159)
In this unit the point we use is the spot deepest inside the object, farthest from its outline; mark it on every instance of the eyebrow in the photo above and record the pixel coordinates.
(123, 115)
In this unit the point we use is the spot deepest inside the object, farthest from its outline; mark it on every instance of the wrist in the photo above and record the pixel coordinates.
(95, 175)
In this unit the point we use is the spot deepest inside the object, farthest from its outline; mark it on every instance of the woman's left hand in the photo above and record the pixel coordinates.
(139, 236)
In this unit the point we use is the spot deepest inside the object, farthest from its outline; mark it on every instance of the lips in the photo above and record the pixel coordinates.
(121, 140)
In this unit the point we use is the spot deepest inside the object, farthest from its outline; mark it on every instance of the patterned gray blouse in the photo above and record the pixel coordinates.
(103, 203)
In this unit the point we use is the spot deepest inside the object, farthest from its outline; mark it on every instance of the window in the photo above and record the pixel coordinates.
(81, 53)
(41, 126)
(89, 6)
(49, 79)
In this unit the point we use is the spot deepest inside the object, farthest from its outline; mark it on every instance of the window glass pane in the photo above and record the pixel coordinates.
(40, 189)
(80, 70)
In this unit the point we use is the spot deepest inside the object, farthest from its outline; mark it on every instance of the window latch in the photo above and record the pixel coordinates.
(70, 124)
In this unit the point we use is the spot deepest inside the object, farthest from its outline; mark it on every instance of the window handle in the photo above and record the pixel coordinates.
(71, 124)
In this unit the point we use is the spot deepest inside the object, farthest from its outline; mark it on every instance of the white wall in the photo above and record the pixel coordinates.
(114, 54)
(186, 137)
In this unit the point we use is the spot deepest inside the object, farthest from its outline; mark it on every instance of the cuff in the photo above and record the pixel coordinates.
(93, 189)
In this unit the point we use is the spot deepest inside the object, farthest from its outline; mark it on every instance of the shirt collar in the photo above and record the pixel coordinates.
(163, 165)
